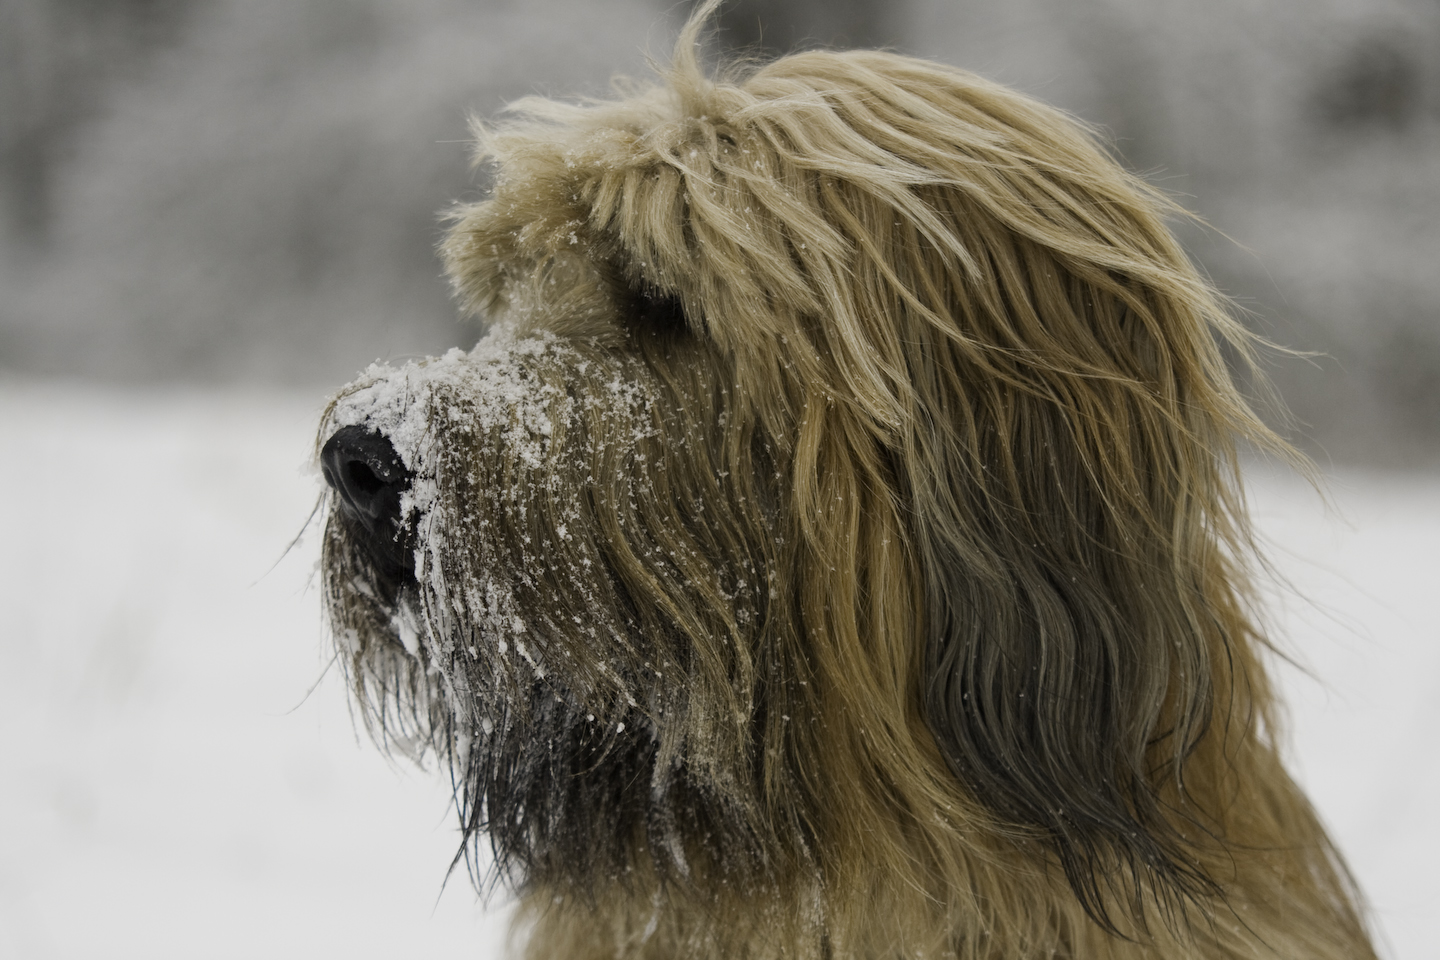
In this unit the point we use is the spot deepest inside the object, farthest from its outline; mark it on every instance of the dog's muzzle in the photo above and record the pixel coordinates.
(362, 467)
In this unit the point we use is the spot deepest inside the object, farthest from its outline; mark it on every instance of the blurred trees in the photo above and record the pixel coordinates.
(251, 189)
(56, 58)
(262, 199)
(774, 27)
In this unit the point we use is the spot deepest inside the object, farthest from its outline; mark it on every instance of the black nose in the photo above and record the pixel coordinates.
(364, 469)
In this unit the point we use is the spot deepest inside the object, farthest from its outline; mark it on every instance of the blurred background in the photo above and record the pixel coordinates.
(214, 212)
(247, 191)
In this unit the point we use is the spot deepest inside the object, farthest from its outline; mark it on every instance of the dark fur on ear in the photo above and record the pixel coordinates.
(1076, 595)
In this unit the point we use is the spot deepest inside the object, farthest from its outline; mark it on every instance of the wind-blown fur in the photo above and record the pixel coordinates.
(836, 548)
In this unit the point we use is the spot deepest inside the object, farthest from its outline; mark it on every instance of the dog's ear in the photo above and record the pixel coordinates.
(1070, 651)
(1000, 308)
(1079, 540)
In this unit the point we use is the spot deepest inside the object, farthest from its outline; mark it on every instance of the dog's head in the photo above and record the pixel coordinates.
(846, 480)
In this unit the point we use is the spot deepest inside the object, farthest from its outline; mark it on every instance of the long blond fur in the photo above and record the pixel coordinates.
(888, 492)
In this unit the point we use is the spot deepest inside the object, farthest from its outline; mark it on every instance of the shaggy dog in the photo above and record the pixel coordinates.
(835, 549)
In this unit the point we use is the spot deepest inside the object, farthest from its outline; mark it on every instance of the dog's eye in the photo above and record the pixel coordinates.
(658, 311)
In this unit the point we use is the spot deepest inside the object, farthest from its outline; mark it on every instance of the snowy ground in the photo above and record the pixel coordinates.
(172, 787)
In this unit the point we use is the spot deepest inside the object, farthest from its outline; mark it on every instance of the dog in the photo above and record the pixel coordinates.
(836, 546)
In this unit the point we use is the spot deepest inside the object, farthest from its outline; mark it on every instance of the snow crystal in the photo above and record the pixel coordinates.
(407, 629)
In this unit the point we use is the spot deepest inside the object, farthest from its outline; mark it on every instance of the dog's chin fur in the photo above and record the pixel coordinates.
(836, 549)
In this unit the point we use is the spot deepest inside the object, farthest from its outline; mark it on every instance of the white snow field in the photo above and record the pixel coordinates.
(171, 786)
